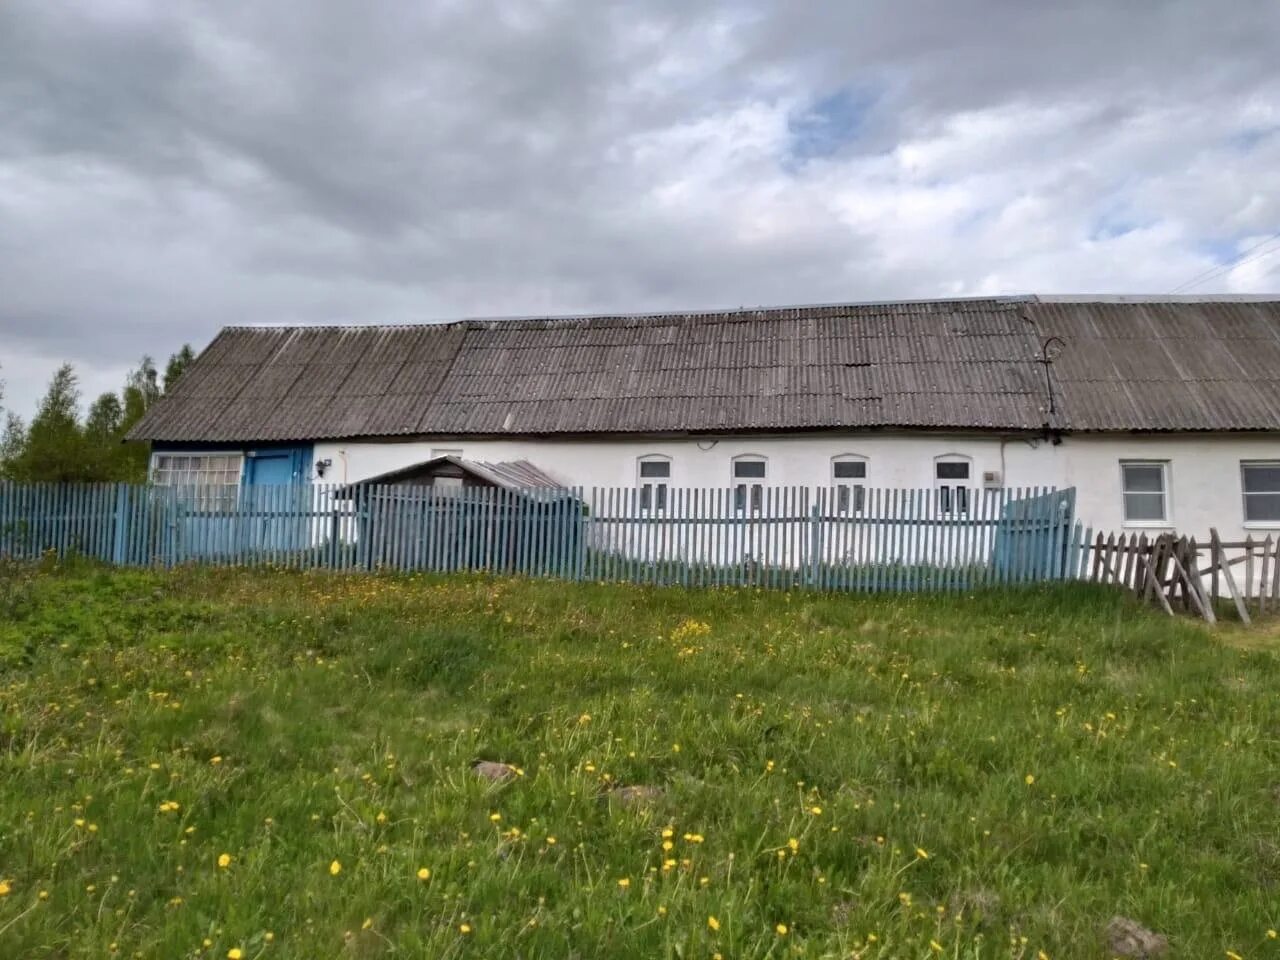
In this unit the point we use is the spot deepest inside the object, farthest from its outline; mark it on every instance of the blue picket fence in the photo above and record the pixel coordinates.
(880, 539)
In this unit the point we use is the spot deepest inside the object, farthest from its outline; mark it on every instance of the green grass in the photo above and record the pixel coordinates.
(1061, 755)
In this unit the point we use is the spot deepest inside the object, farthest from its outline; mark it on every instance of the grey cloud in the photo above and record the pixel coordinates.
(166, 168)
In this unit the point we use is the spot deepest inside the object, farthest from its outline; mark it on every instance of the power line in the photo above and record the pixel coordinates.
(1224, 268)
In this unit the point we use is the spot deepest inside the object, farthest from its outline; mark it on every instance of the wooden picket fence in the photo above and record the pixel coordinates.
(1185, 574)
(878, 540)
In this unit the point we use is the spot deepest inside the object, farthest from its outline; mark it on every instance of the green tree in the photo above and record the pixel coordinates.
(177, 365)
(55, 447)
(13, 441)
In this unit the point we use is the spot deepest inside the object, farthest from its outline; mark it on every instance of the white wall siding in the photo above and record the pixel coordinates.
(1204, 471)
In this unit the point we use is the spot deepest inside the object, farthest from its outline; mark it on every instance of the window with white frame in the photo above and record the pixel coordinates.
(1145, 484)
(849, 478)
(213, 478)
(951, 478)
(653, 474)
(1260, 481)
(749, 475)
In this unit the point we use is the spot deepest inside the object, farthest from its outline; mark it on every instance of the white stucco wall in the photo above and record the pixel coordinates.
(1204, 472)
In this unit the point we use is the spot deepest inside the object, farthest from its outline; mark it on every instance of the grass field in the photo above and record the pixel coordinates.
(223, 764)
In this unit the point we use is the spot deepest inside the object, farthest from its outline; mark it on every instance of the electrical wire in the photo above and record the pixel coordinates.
(1225, 268)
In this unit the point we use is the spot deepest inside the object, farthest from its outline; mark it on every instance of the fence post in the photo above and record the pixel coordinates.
(120, 525)
(815, 543)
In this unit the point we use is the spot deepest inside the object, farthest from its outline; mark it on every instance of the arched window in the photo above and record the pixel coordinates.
(653, 473)
(952, 474)
(849, 478)
(750, 472)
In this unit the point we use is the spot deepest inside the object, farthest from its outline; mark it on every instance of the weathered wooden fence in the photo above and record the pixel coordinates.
(882, 539)
(1186, 574)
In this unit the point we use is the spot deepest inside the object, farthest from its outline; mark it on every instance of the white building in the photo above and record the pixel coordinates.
(1164, 415)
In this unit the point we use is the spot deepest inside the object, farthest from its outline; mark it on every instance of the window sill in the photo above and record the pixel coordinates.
(1148, 525)
(1261, 524)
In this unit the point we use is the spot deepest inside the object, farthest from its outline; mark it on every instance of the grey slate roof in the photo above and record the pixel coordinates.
(946, 364)
(508, 474)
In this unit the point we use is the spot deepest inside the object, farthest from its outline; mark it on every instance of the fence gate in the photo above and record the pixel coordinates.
(1033, 539)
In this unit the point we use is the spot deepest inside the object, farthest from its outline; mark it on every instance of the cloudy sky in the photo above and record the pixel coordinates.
(169, 167)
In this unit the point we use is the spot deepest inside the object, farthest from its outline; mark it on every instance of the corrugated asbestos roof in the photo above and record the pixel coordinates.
(509, 474)
(943, 364)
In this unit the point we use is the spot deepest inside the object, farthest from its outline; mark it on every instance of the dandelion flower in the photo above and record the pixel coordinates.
(464, 928)
(335, 868)
(713, 923)
(44, 895)
(424, 873)
(5, 888)
(235, 953)
(1271, 934)
(624, 883)
(1029, 779)
(381, 817)
(224, 860)
(268, 937)
(794, 844)
(780, 929)
(816, 811)
(1232, 955)
(495, 817)
(551, 841)
(368, 922)
(922, 853)
(935, 946)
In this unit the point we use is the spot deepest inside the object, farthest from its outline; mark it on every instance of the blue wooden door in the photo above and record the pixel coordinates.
(276, 495)
(274, 468)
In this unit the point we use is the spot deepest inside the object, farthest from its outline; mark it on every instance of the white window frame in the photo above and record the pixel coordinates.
(212, 494)
(748, 492)
(950, 492)
(850, 492)
(1166, 475)
(1245, 495)
(654, 492)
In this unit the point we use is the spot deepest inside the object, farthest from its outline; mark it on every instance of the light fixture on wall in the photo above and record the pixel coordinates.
(322, 466)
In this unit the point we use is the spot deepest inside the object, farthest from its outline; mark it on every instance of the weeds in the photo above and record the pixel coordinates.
(254, 764)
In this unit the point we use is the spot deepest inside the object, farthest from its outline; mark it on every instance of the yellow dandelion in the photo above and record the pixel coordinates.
(5, 888)
(713, 923)
(44, 895)
(268, 937)
(1271, 934)
(215, 760)
(424, 873)
(624, 883)
(922, 853)
(1029, 779)
(464, 928)
(662, 911)
(935, 946)
(368, 922)
(1232, 955)
(495, 817)
(551, 841)
(335, 868)
(794, 844)
(816, 811)
(780, 929)
(224, 860)
(381, 817)
(235, 953)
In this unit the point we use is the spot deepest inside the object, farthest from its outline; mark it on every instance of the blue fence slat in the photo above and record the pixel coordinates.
(882, 540)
